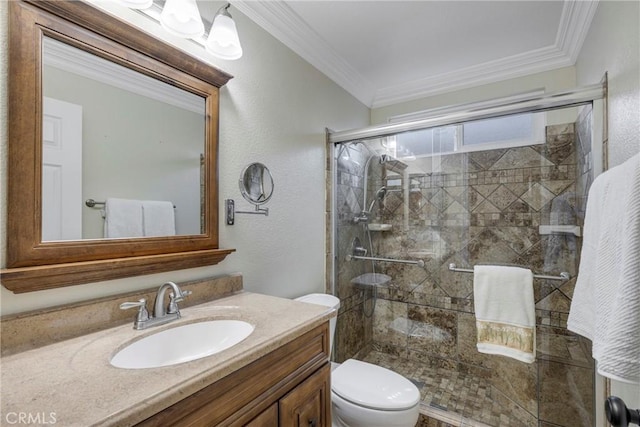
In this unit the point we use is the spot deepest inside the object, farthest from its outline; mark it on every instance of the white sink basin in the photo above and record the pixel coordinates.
(182, 344)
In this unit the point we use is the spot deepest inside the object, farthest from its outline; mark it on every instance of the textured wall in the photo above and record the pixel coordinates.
(613, 46)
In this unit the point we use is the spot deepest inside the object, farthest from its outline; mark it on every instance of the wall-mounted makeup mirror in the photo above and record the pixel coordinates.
(256, 186)
(117, 154)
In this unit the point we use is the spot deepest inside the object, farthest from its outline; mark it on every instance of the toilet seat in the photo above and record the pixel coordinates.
(374, 387)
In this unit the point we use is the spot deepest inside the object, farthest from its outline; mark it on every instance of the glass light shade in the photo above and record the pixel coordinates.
(136, 4)
(223, 40)
(182, 18)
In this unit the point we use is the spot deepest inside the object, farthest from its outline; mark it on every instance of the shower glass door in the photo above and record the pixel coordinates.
(508, 191)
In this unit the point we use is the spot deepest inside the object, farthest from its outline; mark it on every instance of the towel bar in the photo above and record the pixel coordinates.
(564, 276)
(92, 203)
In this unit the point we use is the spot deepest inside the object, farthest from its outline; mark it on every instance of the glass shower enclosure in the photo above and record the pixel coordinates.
(414, 211)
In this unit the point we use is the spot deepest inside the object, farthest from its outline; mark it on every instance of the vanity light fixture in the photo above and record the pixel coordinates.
(137, 4)
(223, 40)
(182, 18)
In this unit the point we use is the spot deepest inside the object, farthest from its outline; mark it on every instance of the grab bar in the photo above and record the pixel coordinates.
(419, 263)
(564, 276)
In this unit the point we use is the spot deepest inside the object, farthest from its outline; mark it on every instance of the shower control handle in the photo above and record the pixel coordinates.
(359, 251)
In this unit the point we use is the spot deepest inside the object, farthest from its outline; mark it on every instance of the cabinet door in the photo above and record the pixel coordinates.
(268, 418)
(309, 404)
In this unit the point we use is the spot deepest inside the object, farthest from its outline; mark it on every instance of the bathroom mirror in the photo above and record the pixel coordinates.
(256, 183)
(113, 132)
(36, 263)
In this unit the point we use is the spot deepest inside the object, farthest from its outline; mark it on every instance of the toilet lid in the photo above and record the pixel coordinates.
(373, 387)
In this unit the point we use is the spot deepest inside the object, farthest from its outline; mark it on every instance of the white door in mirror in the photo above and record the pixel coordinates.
(61, 170)
(182, 344)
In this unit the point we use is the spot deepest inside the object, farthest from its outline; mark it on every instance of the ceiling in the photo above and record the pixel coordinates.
(387, 52)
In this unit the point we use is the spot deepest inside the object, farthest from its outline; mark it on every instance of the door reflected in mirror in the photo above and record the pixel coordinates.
(110, 132)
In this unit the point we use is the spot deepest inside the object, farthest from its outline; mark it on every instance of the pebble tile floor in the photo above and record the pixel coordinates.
(452, 391)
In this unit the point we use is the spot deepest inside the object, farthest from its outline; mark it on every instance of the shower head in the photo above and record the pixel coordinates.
(392, 163)
(382, 191)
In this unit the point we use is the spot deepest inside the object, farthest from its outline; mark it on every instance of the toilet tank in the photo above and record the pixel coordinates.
(327, 301)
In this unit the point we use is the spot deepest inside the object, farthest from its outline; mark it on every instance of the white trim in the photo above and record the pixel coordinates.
(68, 58)
(574, 25)
(284, 24)
(279, 20)
(523, 64)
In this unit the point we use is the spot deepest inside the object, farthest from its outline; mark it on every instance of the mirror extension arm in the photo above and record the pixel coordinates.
(230, 210)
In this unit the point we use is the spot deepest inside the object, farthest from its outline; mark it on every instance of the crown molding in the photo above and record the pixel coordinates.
(76, 61)
(285, 25)
(531, 62)
(574, 25)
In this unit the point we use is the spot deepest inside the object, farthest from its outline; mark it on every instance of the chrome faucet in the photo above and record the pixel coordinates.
(161, 315)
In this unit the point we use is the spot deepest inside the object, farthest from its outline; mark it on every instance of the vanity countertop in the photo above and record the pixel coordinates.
(72, 383)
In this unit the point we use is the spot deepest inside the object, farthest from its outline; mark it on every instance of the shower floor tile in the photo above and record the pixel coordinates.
(455, 392)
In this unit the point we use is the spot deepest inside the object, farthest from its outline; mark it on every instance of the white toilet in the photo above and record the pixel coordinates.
(366, 395)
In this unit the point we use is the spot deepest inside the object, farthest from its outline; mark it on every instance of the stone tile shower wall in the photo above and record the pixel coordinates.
(486, 207)
(481, 207)
(354, 328)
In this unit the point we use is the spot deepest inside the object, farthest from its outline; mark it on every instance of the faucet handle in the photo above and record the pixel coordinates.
(180, 297)
(143, 314)
(173, 300)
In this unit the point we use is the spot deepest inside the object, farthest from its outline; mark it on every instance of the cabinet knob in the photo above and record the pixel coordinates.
(313, 422)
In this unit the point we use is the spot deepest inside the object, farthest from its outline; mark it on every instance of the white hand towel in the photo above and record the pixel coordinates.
(505, 311)
(606, 300)
(123, 218)
(158, 218)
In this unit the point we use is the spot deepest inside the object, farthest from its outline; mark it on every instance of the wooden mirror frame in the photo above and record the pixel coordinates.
(35, 265)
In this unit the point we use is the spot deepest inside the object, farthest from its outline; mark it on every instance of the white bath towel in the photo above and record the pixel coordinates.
(158, 218)
(505, 311)
(606, 300)
(123, 218)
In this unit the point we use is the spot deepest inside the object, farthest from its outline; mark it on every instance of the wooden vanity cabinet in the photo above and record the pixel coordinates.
(287, 387)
